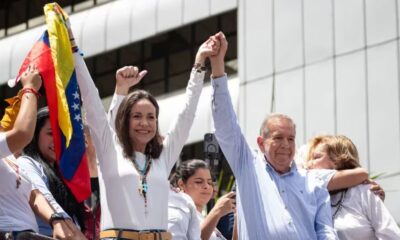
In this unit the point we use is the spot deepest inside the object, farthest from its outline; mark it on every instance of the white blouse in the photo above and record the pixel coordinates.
(183, 223)
(121, 204)
(363, 216)
(15, 212)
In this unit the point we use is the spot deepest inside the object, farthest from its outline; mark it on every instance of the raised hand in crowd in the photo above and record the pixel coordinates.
(209, 49)
(31, 78)
(218, 60)
(126, 77)
(22, 132)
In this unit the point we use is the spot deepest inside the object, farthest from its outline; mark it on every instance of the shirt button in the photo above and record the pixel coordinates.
(283, 191)
(217, 85)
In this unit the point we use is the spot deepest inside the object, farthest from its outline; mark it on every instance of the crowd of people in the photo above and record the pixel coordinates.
(327, 196)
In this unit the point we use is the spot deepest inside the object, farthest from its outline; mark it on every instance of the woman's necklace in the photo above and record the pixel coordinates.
(15, 167)
(143, 186)
(338, 204)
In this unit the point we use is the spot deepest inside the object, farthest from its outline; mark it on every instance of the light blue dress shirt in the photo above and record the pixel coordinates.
(294, 205)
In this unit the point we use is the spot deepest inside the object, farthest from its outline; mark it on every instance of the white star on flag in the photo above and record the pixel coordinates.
(76, 95)
(75, 106)
(77, 117)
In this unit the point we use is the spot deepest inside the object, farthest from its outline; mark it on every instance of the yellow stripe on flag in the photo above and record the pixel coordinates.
(63, 62)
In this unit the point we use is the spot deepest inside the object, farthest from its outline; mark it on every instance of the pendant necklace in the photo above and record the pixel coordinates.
(339, 203)
(143, 186)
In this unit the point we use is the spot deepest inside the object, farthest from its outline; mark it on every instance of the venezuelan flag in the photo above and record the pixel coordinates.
(53, 56)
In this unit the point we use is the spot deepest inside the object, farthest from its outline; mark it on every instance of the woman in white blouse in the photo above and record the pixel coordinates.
(357, 212)
(134, 161)
(193, 177)
(19, 198)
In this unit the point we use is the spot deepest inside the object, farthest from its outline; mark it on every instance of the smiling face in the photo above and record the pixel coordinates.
(142, 124)
(199, 186)
(278, 144)
(46, 143)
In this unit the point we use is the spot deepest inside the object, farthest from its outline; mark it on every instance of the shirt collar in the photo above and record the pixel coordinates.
(271, 169)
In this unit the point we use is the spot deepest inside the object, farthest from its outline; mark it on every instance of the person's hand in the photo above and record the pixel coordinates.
(30, 78)
(376, 188)
(66, 229)
(218, 60)
(207, 49)
(127, 77)
(226, 204)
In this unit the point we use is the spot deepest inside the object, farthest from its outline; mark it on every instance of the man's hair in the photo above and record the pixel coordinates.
(264, 130)
(154, 147)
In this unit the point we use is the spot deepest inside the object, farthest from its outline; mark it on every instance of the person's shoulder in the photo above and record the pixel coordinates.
(28, 162)
(360, 189)
(180, 200)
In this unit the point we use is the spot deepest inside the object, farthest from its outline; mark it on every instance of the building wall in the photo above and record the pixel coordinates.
(331, 65)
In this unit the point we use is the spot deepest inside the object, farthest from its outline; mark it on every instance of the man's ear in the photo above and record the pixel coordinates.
(181, 185)
(260, 142)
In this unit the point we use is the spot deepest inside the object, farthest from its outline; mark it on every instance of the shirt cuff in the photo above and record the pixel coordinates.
(220, 84)
(197, 76)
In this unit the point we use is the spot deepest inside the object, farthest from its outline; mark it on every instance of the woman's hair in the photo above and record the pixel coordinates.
(154, 147)
(340, 149)
(343, 151)
(62, 194)
(314, 143)
(186, 170)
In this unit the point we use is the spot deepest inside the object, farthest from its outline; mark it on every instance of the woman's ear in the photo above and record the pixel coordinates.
(181, 185)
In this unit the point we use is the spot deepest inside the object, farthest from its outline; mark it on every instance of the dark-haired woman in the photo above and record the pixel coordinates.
(38, 162)
(193, 177)
(134, 161)
(20, 199)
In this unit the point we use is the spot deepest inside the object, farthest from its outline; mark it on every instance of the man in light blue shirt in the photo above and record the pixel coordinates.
(276, 200)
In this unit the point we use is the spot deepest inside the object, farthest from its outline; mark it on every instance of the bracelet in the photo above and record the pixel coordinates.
(199, 67)
(30, 90)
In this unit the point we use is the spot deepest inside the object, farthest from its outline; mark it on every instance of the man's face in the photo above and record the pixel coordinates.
(279, 145)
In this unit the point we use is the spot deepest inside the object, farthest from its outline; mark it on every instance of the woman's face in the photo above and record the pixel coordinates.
(142, 124)
(45, 142)
(199, 187)
(320, 158)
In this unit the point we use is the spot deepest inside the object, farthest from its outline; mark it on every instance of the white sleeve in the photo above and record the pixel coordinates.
(102, 133)
(113, 109)
(381, 220)
(180, 127)
(178, 223)
(4, 149)
(323, 176)
(183, 222)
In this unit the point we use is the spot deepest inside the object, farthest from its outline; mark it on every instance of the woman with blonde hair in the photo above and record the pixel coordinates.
(357, 212)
